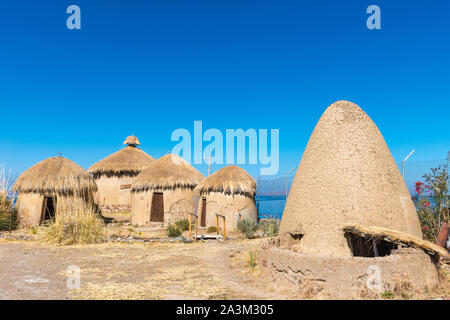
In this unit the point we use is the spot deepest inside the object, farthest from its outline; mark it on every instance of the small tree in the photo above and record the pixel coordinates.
(432, 201)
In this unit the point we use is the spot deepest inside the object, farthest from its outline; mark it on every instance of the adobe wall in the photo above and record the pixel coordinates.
(110, 196)
(233, 207)
(322, 277)
(178, 204)
(29, 206)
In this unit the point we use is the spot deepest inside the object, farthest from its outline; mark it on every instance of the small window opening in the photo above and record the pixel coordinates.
(296, 236)
(368, 247)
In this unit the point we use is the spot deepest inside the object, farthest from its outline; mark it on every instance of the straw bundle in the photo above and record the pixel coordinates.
(397, 237)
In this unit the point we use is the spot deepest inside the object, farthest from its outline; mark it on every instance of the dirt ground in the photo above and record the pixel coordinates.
(204, 270)
(31, 269)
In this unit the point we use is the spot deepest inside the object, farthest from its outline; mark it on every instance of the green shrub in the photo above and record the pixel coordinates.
(173, 231)
(270, 226)
(212, 229)
(6, 218)
(387, 295)
(182, 224)
(247, 227)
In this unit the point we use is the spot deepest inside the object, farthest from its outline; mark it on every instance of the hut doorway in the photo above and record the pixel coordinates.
(157, 210)
(203, 216)
(48, 208)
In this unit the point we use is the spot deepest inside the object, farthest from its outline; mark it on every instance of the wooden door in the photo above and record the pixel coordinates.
(203, 219)
(157, 210)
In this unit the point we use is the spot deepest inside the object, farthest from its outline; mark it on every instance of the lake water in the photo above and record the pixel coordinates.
(271, 207)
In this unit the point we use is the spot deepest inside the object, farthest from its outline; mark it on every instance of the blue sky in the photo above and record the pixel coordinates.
(150, 67)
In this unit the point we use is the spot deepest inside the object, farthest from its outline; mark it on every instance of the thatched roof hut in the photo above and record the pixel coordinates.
(163, 192)
(115, 173)
(55, 175)
(168, 172)
(128, 161)
(52, 185)
(347, 176)
(231, 180)
(229, 192)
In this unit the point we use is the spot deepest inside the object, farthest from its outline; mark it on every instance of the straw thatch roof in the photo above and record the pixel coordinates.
(132, 141)
(398, 238)
(128, 161)
(229, 180)
(55, 175)
(168, 172)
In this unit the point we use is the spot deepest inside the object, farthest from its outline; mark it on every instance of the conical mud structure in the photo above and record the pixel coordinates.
(349, 224)
(347, 176)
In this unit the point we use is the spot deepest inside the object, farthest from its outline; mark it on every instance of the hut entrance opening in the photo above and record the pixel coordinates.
(157, 210)
(48, 208)
(203, 217)
(368, 247)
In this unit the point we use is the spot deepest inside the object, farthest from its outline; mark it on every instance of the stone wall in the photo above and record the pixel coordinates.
(318, 276)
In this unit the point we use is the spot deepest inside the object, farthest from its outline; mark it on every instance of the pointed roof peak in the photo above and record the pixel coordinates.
(132, 141)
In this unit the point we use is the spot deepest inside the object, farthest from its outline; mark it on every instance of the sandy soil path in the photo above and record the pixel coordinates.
(209, 270)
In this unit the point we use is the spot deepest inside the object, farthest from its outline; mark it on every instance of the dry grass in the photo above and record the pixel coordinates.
(443, 289)
(190, 280)
(118, 216)
(119, 291)
(402, 289)
(247, 262)
(77, 225)
(166, 274)
(7, 194)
